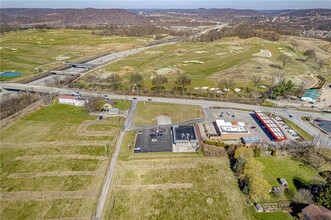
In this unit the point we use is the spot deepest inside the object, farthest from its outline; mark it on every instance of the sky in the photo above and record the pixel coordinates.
(165, 4)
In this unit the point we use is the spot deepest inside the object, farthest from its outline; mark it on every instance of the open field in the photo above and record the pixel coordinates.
(147, 112)
(208, 63)
(46, 49)
(294, 172)
(53, 163)
(173, 186)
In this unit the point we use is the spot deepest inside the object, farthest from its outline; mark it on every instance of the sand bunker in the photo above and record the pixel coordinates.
(193, 61)
(165, 71)
(264, 53)
(61, 57)
(200, 51)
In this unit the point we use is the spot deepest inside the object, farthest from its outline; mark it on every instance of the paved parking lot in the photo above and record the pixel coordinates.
(154, 140)
(254, 126)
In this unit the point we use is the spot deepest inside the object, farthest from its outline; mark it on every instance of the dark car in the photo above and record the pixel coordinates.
(134, 98)
(253, 127)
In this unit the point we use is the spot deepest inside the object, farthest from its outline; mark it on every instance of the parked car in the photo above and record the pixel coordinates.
(253, 127)
(134, 98)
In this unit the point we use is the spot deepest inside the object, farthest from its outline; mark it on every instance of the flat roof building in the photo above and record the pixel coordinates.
(310, 95)
(185, 139)
(232, 130)
(271, 126)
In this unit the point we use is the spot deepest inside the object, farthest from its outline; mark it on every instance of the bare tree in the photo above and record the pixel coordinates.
(303, 196)
(92, 80)
(136, 81)
(228, 83)
(320, 63)
(158, 83)
(284, 59)
(278, 78)
(93, 104)
(310, 152)
(115, 81)
(256, 80)
(182, 82)
(310, 54)
(294, 45)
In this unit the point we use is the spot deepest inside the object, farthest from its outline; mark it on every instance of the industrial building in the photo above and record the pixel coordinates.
(271, 126)
(185, 139)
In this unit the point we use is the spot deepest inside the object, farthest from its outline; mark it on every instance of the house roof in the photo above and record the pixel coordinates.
(311, 93)
(111, 102)
(67, 97)
(315, 212)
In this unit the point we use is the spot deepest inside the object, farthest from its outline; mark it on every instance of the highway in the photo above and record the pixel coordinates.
(203, 103)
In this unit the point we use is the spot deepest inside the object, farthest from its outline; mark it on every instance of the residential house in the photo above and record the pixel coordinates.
(315, 212)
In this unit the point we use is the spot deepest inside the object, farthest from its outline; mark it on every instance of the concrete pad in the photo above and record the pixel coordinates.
(163, 120)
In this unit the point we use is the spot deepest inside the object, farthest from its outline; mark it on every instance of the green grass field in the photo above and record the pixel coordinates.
(46, 49)
(147, 112)
(53, 163)
(273, 216)
(173, 186)
(208, 63)
(294, 172)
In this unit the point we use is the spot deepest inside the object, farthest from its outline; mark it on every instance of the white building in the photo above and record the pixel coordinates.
(72, 100)
(232, 130)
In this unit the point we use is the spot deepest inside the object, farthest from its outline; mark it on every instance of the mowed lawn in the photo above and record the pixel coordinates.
(46, 49)
(173, 186)
(147, 112)
(293, 171)
(53, 163)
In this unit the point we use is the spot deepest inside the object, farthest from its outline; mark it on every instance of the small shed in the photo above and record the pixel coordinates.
(283, 182)
(258, 207)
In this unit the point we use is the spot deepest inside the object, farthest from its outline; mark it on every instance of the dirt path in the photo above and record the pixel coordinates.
(47, 195)
(46, 174)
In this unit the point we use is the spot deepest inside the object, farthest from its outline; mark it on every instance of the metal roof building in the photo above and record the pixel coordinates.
(310, 95)
(271, 126)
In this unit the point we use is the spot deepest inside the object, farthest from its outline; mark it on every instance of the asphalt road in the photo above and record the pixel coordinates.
(203, 103)
(110, 171)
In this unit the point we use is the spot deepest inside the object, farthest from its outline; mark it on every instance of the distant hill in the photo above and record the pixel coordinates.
(69, 16)
(299, 13)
